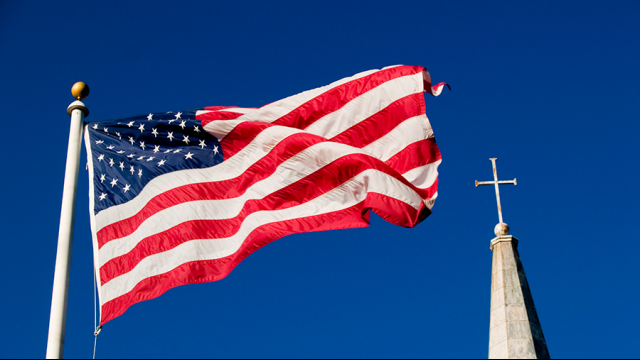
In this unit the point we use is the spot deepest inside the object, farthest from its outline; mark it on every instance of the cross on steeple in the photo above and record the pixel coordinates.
(496, 183)
(514, 328)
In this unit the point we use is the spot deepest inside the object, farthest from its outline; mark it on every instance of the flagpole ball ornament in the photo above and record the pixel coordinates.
(501, 229)
(79, 91)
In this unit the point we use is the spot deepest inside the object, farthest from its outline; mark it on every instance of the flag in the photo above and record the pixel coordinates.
(182, 197)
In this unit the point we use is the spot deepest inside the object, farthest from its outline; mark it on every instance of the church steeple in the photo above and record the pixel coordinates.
(515, 331)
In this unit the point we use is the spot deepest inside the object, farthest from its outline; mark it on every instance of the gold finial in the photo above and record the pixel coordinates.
(80, 90)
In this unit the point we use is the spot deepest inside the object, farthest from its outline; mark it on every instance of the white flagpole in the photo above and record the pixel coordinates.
(57, 321)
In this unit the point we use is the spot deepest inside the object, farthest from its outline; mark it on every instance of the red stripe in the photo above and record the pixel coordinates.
(320, 106)
(306, 189)
(215, 108)
(235, 187)
(395, 211)
(217, 115)
(262, 169)
(427, 84)
(334, 99)
(419, 153)
(359, 135)
(381, 123)
(212, 270)
(241, 136)
(440, 85)
(226, 189)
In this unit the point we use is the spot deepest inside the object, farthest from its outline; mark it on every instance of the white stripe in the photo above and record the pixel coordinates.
(272, 112)
(342, 197)
(423, 177)
(429, 203)
(278, 109)
(366, 105)
(228, 169)
(297, 167)
(409, 131)
(220, 128)
(351, 114)
(438, 90)
(406, 133)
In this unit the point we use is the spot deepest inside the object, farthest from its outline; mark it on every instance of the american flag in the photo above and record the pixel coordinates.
(183, 197)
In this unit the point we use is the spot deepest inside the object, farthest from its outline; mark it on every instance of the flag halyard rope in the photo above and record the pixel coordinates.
(95, 315)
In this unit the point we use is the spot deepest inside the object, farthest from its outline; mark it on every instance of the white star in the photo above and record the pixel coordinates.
(141, 157)
(178, 115)
(106, 130)
(111, 162)
(154, 132)
(177, 151)
(183, 124)
(121, 152)
(140, 173)
(111, 147)
(170, 121)
(196, 129)
(132, 170)
(130, 156)
(121, 166)
(141, 128)
(98, 142)
(168, 151)
(202, 144)
(186, 140)
(215, 149)
(102, 177)
(114, 182)
(126, 188)
(170, 136)
(119, 136)
(161, 162)
(156, 148)
(101, 157)
(142, 145)
(131, 140)
(188, 156)
(102, 196)
(130, 124)
(150, 117)
(150, 158)
(95, 127)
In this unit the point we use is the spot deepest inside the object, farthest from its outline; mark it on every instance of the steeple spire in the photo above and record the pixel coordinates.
(515, 331)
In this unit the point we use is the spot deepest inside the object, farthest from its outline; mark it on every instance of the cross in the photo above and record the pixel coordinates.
(496, 183)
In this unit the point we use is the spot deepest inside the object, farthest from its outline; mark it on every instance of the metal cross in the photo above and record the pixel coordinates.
(496, 183)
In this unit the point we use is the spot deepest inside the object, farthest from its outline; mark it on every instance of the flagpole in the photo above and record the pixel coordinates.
(77, 110)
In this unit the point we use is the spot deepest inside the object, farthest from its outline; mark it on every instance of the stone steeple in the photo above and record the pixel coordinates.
(515, 331)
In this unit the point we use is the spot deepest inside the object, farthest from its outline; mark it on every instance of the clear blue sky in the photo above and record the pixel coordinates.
(549, 88)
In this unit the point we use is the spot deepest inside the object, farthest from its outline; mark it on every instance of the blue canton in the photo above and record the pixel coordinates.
(127, 153)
